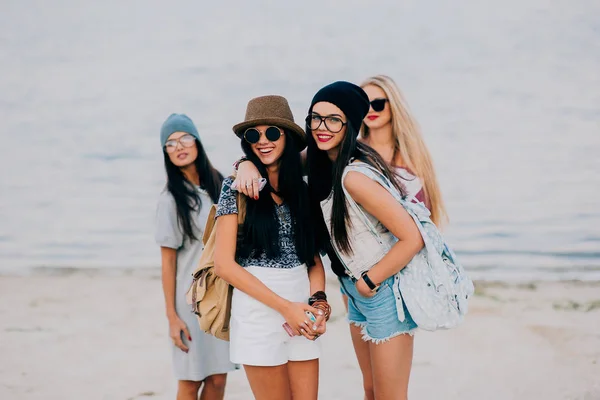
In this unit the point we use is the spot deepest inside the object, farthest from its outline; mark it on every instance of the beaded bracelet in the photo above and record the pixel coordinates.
(320, 295)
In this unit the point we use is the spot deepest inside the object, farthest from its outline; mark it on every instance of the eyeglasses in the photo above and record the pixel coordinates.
(378, 104)
(272, 133)
(185, 140)
(333, 123)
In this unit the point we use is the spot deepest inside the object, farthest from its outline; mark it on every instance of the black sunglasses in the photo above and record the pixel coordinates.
(252, 135)
(378, 104)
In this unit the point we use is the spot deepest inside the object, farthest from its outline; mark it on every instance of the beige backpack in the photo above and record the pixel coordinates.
(209, 295)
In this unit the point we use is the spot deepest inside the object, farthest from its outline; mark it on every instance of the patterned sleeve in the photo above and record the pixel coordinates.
(168, 232)
(227, 200)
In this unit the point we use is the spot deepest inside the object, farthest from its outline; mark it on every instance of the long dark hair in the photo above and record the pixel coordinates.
(186, 198)
(325, 177)
(260, 231)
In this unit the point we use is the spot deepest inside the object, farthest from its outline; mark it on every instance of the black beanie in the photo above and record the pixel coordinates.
(348, 97)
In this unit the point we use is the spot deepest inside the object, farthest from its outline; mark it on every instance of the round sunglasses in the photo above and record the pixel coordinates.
(252, 135)
(378, 104)
(185, 140)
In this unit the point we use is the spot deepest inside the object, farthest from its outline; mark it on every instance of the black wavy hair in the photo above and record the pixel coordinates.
(260, 230)
(186, 198)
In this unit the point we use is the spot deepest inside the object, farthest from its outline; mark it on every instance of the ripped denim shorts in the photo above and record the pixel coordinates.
(377, 315)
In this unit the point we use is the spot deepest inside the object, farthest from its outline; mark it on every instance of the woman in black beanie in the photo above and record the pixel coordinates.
(343, 176)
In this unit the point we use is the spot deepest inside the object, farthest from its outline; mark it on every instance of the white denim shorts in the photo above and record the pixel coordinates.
(257, 336)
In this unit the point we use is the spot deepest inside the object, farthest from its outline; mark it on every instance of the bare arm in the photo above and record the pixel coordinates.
(228, 269)
(377, 201)
(316, 276)
(169, 273)
(247, 175)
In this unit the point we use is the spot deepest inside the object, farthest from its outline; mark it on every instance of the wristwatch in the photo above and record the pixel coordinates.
(369, 282)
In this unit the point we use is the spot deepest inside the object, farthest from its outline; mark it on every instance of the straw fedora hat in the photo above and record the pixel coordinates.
(271, 110)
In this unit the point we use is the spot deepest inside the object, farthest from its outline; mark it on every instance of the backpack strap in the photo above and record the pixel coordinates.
(210, 223)
(374, 174)
(418, 208)
(417, 211)
(356, 207)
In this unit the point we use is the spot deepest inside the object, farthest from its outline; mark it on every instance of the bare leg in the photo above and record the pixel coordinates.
(391, 362)
(214, 387)
(304, 379)
(269, 383)
(188, 390)
(363, 354)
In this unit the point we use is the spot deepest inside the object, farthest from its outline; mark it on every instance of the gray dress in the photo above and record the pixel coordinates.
(208, 355)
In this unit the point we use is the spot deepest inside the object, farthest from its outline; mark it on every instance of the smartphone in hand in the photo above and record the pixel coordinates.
(288, 329)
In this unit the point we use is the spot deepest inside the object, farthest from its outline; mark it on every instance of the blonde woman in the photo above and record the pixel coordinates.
(392, 131)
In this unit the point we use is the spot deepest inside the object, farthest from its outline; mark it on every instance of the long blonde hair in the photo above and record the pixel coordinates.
(410, 145)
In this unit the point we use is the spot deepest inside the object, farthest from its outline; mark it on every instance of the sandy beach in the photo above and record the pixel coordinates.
(74, 334)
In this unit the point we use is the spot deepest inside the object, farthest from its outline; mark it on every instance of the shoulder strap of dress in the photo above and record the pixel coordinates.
(362, 168)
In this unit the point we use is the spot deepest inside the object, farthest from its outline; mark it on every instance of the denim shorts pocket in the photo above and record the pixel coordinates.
(383, 288)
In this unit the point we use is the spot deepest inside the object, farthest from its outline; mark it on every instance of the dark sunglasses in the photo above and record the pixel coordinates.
(378, 104)
(272, 133)
(185, 140)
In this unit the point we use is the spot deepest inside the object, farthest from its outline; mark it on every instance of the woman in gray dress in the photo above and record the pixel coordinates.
(193, 185)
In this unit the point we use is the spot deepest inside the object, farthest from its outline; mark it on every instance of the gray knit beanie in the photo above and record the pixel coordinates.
(177, 123)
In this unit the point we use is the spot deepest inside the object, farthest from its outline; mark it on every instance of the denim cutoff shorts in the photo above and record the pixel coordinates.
(377, 315)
